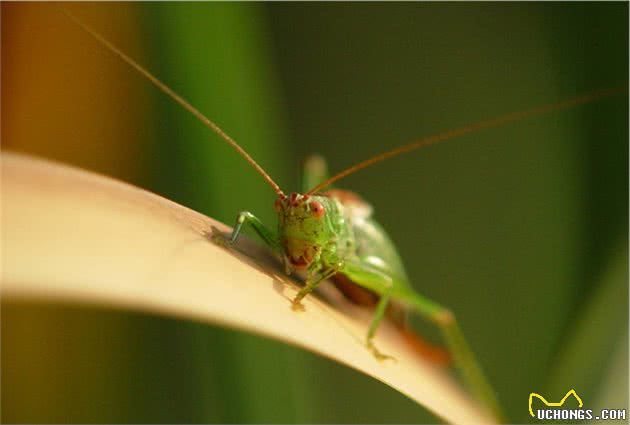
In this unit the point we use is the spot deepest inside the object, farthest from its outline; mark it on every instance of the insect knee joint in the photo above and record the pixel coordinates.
(242, 216)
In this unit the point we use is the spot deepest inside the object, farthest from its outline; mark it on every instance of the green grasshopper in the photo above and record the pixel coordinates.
(332, 234)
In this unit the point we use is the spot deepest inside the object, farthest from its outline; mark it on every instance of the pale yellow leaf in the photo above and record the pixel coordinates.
(74, 236)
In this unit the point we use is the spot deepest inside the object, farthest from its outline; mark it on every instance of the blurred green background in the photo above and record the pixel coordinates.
(521, 230)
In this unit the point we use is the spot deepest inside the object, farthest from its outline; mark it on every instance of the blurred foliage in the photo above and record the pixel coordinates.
(521, 230)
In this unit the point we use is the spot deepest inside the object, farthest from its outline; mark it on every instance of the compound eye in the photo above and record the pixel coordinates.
(317, 209)
(278, 205)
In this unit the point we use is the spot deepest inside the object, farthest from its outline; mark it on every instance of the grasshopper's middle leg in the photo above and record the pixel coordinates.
(368, 277)
(381, 308)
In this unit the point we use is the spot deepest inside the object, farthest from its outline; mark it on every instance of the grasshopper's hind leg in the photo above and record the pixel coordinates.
(378, 281)
(464, 357)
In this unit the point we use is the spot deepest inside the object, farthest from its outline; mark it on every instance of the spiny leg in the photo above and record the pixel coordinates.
(381, 308)
(267, 235)
(311, 284)
(465, 359)
(369, 277)
(378, 281)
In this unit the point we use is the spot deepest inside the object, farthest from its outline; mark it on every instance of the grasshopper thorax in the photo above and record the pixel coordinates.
(303, 226)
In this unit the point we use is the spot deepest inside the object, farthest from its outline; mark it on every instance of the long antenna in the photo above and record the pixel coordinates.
(177, 98)
(470, 128)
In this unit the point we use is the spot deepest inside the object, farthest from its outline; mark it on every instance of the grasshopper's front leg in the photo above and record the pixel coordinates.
(268, 236)
(313, 279)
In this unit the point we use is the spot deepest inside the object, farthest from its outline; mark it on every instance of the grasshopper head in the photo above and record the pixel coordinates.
(303, 225)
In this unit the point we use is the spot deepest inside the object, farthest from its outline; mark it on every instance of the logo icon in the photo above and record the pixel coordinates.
(571, 392)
